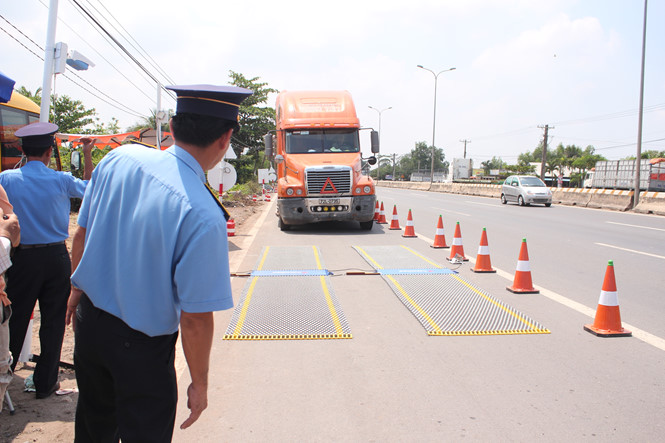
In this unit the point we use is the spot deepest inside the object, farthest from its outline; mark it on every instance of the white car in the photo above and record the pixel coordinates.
(524, 190)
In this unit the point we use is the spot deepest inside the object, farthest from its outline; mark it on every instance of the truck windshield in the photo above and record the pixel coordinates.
(322, 140)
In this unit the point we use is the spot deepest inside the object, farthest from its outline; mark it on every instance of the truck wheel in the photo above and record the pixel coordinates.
(520, 200)
(367, 226)
(503, 199)
(282, 226)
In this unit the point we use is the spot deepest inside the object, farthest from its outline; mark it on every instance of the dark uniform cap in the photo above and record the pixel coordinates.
(216, 101)
(37, 135)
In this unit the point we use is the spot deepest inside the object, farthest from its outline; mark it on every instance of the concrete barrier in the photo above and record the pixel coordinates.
(650, 202)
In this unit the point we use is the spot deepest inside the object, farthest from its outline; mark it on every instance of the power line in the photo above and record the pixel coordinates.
(618, 114)
(127, 109)
(101, 56)
(20, 43)
(140, 48)
(120, 45)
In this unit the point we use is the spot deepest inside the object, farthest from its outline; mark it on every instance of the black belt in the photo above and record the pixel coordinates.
(43, 245)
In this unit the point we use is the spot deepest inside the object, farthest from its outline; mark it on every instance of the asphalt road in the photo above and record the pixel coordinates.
(392, 382)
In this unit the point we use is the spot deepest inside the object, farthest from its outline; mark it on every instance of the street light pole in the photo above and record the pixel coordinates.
(436, 77)
(638, 159)
(379, 111)
(47, 80)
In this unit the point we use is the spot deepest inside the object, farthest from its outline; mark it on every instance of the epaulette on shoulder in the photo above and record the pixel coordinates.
(227, 216)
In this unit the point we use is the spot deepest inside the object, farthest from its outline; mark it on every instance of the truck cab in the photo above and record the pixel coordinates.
(319, 164)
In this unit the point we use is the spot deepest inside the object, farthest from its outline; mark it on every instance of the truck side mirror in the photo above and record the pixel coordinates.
(374, 136)
(75, 161)
(267, 140)
(279, 159)
(371, 160)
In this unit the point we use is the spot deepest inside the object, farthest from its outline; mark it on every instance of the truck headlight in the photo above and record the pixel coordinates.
(289, 191)
(367, 189)
(299, 191)
(357, 190)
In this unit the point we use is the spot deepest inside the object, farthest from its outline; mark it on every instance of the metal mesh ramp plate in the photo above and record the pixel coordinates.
(288, 297)
(444, 303)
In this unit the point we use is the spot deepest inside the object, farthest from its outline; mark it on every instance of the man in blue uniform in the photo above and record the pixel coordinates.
(41, 265)
(151, 255)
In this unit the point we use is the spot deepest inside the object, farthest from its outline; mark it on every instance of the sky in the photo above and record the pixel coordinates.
(573, 65)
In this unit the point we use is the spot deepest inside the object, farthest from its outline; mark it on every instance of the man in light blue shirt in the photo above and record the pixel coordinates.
(41, 265)
(151, 255)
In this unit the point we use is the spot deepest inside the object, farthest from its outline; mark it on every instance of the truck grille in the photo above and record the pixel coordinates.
(327, 180)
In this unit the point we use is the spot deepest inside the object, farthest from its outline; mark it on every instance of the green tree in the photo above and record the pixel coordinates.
(70, 115)
(652, 154)
(420, 159)
(494, 163)
(150, 122)
(35, 97)
(100, 128)
(256, 120)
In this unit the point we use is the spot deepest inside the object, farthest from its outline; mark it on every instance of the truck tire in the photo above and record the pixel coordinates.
(282, 226)
(367, 226)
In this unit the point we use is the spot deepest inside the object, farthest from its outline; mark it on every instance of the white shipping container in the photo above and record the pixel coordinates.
(462, 168)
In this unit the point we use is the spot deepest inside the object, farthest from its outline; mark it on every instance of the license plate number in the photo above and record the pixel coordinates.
(328, 201)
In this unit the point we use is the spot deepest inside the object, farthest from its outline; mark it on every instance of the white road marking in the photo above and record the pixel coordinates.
(485, 204)
(635, 226)
(631, 250)
(638, 333)
(448, 211)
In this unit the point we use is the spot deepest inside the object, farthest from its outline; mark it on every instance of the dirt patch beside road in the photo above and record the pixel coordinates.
(52, 419)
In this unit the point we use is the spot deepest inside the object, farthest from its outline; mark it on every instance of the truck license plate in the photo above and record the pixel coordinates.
(328, 201)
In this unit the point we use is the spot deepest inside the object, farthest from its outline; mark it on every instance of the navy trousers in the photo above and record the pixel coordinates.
(126, 380)
(39, 274)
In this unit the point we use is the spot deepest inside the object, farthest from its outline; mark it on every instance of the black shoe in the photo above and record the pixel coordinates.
(48, 393)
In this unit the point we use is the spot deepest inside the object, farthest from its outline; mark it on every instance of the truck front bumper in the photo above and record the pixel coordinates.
(298, 211)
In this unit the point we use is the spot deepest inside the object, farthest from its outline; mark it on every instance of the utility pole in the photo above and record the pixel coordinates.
(465, 142)
(544, 156)
(638, 160)
(394, 167)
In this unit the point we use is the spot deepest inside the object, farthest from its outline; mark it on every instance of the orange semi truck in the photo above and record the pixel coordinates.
(316, 149)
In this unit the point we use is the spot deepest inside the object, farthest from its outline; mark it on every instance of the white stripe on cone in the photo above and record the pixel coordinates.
(483, 250)
(523, 266)
(439, 231)
(457, 241)
(608, 298)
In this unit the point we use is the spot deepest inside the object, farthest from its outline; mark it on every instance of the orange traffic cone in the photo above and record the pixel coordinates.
(394, 224)
(231, 228)
(483, 262)
(382, 216)
(457, 251)
(267, 197)
(408, 230)
(608, 318)
(522, 283)
(440, 237)
(376, 212)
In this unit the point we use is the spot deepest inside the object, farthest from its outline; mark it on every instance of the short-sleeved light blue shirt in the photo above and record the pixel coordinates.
(156, 241)
(40, 197)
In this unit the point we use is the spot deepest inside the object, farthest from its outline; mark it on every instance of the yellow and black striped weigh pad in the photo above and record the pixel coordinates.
(443, 302)
(288, 297)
